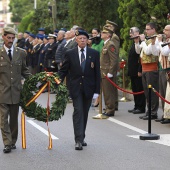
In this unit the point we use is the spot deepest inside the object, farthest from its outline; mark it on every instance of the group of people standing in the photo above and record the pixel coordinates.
(149, 64)
(84, 62)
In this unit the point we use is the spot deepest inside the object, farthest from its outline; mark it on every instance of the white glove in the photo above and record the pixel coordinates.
(109, 75)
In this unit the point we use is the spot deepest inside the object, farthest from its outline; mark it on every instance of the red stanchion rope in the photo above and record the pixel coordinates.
(160, 96)
(114, 84)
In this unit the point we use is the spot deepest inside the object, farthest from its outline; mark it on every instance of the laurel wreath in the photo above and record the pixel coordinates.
(31, 88)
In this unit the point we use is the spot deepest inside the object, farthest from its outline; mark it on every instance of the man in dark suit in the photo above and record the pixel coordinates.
(135, 73)
(84, 67)
(12, 66)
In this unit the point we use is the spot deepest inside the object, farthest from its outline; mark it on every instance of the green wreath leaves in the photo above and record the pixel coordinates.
(35, 110)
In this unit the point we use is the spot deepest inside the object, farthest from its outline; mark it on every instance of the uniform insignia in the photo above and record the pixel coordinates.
(112, 49)
(92, 65)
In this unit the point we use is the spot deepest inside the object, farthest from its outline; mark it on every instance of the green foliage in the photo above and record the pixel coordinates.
(138, 13)
(92, 13)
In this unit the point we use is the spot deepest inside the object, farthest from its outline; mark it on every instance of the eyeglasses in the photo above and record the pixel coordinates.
(148, 29)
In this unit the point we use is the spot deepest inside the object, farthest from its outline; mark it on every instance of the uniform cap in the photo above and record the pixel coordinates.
(9, 30)
(111, 23)
(81, 32)
(51, 36)
(107, 30)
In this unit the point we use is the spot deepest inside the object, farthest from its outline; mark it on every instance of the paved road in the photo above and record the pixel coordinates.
(113, 144)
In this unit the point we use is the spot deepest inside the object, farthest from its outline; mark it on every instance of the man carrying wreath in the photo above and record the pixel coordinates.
(83, 65)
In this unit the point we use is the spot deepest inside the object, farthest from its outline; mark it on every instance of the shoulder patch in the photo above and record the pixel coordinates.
(112, 49)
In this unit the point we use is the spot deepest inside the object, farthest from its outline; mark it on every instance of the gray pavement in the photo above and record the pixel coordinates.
(113, 144)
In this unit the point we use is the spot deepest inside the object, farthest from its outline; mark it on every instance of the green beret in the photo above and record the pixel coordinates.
(111, 23)
(9, 30)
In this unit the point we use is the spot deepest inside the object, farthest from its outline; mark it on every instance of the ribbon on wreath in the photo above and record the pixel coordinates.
(48, 112)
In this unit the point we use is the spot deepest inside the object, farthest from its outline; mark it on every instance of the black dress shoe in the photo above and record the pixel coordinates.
(13, 146)
(108, 114)
(84, 143)
(159, 120)
(7, 149)
(130, 111)
(95, 105)
(165, 121)
(137, 111)
(141, 117)
(152, 117)
(78, 146)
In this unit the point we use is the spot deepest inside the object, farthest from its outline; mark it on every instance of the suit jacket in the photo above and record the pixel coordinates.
(134, 65)
(109, 59)
(89, 80)
(10, 75)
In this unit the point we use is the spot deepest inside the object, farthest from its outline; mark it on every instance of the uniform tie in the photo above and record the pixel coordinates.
(9, 54)
(83, 60)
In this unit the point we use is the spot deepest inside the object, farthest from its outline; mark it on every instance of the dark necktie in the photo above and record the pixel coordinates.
(83, 60)
(9, 54)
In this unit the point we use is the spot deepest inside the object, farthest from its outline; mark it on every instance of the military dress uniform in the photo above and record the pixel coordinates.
(109, 64)
(10, 88)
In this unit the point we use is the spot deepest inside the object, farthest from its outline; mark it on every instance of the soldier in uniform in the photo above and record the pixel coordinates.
(108, 65)
(12, 66)
(116, 40)
(49, 58)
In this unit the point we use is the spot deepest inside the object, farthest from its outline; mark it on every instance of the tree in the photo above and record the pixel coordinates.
(139, 13)
(91, 13)
(20, 8)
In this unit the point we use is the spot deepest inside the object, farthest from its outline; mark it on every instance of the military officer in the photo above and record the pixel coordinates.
(12, 67)
(108, 65)
(116, 40)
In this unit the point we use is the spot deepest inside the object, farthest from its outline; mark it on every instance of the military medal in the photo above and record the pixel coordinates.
(92, 65)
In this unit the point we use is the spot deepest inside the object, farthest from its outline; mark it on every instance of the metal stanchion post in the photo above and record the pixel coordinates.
(149, 135)
(100, 115)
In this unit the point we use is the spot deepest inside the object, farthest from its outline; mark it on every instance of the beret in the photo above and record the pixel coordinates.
(27, 32)
(81, 32)
(9, 30)
(32, 35)
(56, 30)
(41, 29)
(46, 37)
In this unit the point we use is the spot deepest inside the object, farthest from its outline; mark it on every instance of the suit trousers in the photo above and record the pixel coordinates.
(109, 92)
(151, 78)
(162, 85)
(139, 100)
(80, 115)
(9, 127)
